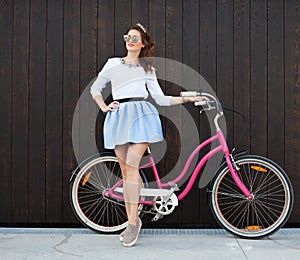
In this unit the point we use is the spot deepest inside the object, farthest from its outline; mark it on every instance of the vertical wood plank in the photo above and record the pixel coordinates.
(224, 80)
(225, 62)
(106, 49)
(157, 24)
(71, 79)
(20, 113)
(208, 41)
(276, 81)
(241, 65)
(140, 12)
(122, 23)
(157, 21)
(37, 79)
(54, 129)
(88, 71)
(292, 98)
(88, 42)
(173, 134)
(224, 73)
(258, 101)
(106, 35)
(207, 59)
(6, 81)
(191, 49)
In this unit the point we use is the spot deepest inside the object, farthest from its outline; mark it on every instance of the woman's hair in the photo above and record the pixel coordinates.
(145, 56)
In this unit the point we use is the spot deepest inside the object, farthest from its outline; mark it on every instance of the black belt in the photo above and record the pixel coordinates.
(123, 100)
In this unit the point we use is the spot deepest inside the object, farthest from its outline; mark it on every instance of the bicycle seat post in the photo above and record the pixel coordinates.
(148, 150)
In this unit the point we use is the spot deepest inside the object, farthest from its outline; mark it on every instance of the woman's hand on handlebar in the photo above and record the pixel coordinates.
(185, 99)
(194, 99)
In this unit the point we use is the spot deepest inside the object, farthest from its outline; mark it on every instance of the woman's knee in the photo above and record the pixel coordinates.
(130, 169)
(123, 170)
(134, 155)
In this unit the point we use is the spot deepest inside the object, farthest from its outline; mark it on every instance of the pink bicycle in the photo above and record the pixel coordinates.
(250, 196)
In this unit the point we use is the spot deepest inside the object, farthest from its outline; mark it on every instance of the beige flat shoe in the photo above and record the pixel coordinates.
(132, 234)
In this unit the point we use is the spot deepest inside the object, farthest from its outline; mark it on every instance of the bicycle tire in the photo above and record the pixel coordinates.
(91, 208)
(255, 218)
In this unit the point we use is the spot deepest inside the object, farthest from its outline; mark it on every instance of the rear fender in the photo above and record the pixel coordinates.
(92, 157)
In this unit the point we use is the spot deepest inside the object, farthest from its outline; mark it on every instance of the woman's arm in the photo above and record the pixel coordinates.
(182, 100)
(161, 99)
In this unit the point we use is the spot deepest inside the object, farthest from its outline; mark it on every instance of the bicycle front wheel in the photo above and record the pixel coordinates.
(266, 212)
(92, 209)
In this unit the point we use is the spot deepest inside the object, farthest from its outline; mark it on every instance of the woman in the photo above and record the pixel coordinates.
(131, 122)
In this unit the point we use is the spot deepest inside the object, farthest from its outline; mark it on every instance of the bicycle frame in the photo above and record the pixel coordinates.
(221, 147)
(219, 136)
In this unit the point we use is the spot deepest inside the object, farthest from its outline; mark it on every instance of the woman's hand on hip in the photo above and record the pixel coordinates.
(111, 107)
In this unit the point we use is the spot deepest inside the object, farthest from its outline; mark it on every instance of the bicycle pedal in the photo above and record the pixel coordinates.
(174, 186)
(157, 217)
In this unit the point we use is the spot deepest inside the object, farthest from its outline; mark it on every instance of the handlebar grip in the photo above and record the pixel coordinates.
(201, 103)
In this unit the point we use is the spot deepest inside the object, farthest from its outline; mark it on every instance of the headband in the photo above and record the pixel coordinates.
(142, 27)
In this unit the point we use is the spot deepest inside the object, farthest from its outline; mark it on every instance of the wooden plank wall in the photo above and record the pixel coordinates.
(249, 52)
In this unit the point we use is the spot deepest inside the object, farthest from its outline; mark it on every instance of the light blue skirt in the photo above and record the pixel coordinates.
(132, 122)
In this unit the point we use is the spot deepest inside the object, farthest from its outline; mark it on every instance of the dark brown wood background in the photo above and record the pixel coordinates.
(249, 52)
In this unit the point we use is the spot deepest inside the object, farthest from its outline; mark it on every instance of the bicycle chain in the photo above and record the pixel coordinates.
(120, 204)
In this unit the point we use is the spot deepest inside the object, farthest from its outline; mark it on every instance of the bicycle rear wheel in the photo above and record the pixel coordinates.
(270, 207)
(92, 209)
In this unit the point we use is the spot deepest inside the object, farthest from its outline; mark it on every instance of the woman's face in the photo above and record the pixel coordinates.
(134, 41)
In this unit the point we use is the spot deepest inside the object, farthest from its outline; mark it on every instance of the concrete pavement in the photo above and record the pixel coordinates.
(37, 244)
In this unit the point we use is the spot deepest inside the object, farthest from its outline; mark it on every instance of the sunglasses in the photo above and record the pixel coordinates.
(134, 38)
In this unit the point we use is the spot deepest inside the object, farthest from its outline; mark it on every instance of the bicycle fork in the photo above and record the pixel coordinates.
(234, 168)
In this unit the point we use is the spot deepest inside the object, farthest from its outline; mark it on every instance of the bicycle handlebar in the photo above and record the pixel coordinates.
(207, 105)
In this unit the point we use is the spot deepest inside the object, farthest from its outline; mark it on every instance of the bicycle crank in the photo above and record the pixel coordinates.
(165, 205)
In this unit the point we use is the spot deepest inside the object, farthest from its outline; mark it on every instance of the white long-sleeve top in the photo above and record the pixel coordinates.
(128, 82)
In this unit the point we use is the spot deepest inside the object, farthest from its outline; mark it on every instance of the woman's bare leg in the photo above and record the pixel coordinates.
(134, 155)
(121, 153)
(129, 157)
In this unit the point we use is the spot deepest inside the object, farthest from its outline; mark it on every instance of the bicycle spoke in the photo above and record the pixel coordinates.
(274, 189)
(229, 191)
(267, 207)
(263, 183)
(238, 196)
(256, 218)
(243, 217)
